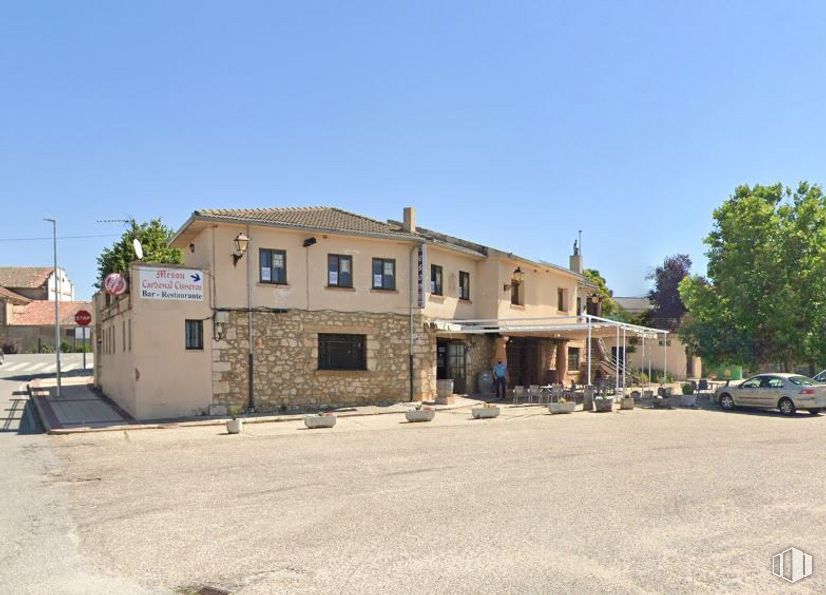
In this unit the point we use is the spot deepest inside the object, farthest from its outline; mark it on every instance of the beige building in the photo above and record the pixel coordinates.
(27, 308)
(288, 308)
(665, 351)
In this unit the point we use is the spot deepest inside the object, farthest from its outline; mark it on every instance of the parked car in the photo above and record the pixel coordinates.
(786, 392)
(820, 376)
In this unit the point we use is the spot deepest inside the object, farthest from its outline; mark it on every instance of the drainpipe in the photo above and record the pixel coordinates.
(250, 362)
(411, 261)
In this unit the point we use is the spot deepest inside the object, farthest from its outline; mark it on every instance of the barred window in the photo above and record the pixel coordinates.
(573, 358)
(342, 352)
(194, 331)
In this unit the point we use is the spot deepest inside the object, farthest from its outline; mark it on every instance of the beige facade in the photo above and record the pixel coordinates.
(141, 359)
(321, 288)
(658, 352)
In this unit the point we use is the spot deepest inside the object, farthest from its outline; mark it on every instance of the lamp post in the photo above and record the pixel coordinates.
(56, 303)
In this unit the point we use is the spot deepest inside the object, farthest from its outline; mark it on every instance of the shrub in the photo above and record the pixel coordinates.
(688, 389)
(9, 348)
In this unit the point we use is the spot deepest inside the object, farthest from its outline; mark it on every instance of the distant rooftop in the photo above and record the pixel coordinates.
(634, 305)
(24, 277)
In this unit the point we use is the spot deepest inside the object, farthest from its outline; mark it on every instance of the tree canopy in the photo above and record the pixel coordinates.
(154, 237)
(667, 306)
(764, 300)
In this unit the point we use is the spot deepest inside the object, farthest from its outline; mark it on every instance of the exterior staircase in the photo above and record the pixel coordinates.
(604, 360)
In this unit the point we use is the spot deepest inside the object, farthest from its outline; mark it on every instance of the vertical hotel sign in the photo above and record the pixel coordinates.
(420, 258)
(171, 284)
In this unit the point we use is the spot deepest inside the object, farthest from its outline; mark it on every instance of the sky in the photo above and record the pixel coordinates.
(512, 124)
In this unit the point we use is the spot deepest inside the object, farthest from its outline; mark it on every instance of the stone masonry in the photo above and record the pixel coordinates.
(286, 375)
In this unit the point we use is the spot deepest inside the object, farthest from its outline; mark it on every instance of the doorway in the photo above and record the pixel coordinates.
(451, 362)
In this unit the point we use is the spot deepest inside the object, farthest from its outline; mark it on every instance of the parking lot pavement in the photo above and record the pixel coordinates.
(630, 501)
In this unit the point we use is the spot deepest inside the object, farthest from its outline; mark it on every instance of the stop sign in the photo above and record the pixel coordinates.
(82, 317)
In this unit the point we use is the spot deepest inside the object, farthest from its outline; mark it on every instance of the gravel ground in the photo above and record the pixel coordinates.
(632, 501)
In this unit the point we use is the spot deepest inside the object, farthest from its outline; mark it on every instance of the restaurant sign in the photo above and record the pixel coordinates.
(171, 284)
(420, 266)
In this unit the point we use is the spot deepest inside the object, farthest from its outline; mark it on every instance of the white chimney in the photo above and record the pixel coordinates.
(409, 224)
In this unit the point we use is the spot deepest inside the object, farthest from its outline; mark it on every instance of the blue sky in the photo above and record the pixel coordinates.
(513, 124)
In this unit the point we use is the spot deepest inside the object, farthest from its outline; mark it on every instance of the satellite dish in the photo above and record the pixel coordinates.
(138, 249)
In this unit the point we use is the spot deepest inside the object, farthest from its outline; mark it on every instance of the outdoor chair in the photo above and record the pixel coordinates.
(702, 385)
(533, 391)
(518, 391)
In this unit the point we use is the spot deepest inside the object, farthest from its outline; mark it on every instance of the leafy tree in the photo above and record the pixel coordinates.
(154, 237)
(610, 308)
(668, 308)
(763, 300)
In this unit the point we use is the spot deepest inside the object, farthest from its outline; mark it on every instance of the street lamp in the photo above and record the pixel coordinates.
(241, 243)
(56, 303)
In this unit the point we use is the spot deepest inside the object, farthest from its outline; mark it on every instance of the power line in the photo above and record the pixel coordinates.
(107, 235)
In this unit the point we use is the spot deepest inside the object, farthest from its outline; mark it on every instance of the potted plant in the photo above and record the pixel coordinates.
(688, 398)
(320, 420)
(603, 403)
(647, 399)
(487, 410)
(561, 405)
(419, 413)
(234, 424)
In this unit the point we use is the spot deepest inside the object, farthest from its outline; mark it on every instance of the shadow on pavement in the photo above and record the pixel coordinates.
(21, 418)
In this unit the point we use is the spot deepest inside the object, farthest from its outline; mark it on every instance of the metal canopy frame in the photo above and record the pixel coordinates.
(574, 326)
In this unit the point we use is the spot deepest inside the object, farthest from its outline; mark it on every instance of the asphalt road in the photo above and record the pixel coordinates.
(38, 539)
(627, 502)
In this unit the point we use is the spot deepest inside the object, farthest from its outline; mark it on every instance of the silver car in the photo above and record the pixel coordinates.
(786, 392)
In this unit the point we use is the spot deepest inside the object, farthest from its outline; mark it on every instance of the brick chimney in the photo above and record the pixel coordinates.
(575, 263)
(409, 224)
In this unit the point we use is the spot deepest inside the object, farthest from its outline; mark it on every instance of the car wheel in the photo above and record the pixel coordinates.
(726, 402)
(815, 411)
(786, 406)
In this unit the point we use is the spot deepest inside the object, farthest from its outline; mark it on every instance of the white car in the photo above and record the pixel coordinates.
(786, 392)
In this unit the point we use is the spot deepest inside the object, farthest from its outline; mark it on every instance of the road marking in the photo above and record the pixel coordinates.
(13, 367)
(35, 367)
(49, 369)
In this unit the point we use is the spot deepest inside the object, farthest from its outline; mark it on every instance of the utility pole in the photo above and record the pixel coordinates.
(56, 303)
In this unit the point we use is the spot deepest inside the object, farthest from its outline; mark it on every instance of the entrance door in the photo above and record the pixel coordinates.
(522, 362)
(451, 362)
(457, 366)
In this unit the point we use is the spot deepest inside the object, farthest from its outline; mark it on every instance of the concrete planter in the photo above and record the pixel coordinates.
(688, 400)
(319, 421)
(234, 426)
(444, 388)
(667, 402)
(414, 415)
(485, 412)
(603, 405)
(627, 403)
(561, 407)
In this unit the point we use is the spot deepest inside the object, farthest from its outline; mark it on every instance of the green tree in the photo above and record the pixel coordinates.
(763, 300)
(610, 308)
(154, 237)
(667, 307)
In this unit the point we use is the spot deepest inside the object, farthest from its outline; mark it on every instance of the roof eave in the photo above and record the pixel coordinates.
(254, 222)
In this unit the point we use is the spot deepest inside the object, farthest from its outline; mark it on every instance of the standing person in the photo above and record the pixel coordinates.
(500, 378)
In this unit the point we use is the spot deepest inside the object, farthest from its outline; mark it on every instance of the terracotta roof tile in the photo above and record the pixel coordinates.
(41, 313)
(8, 294)
(311, 218)
(27, 277)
